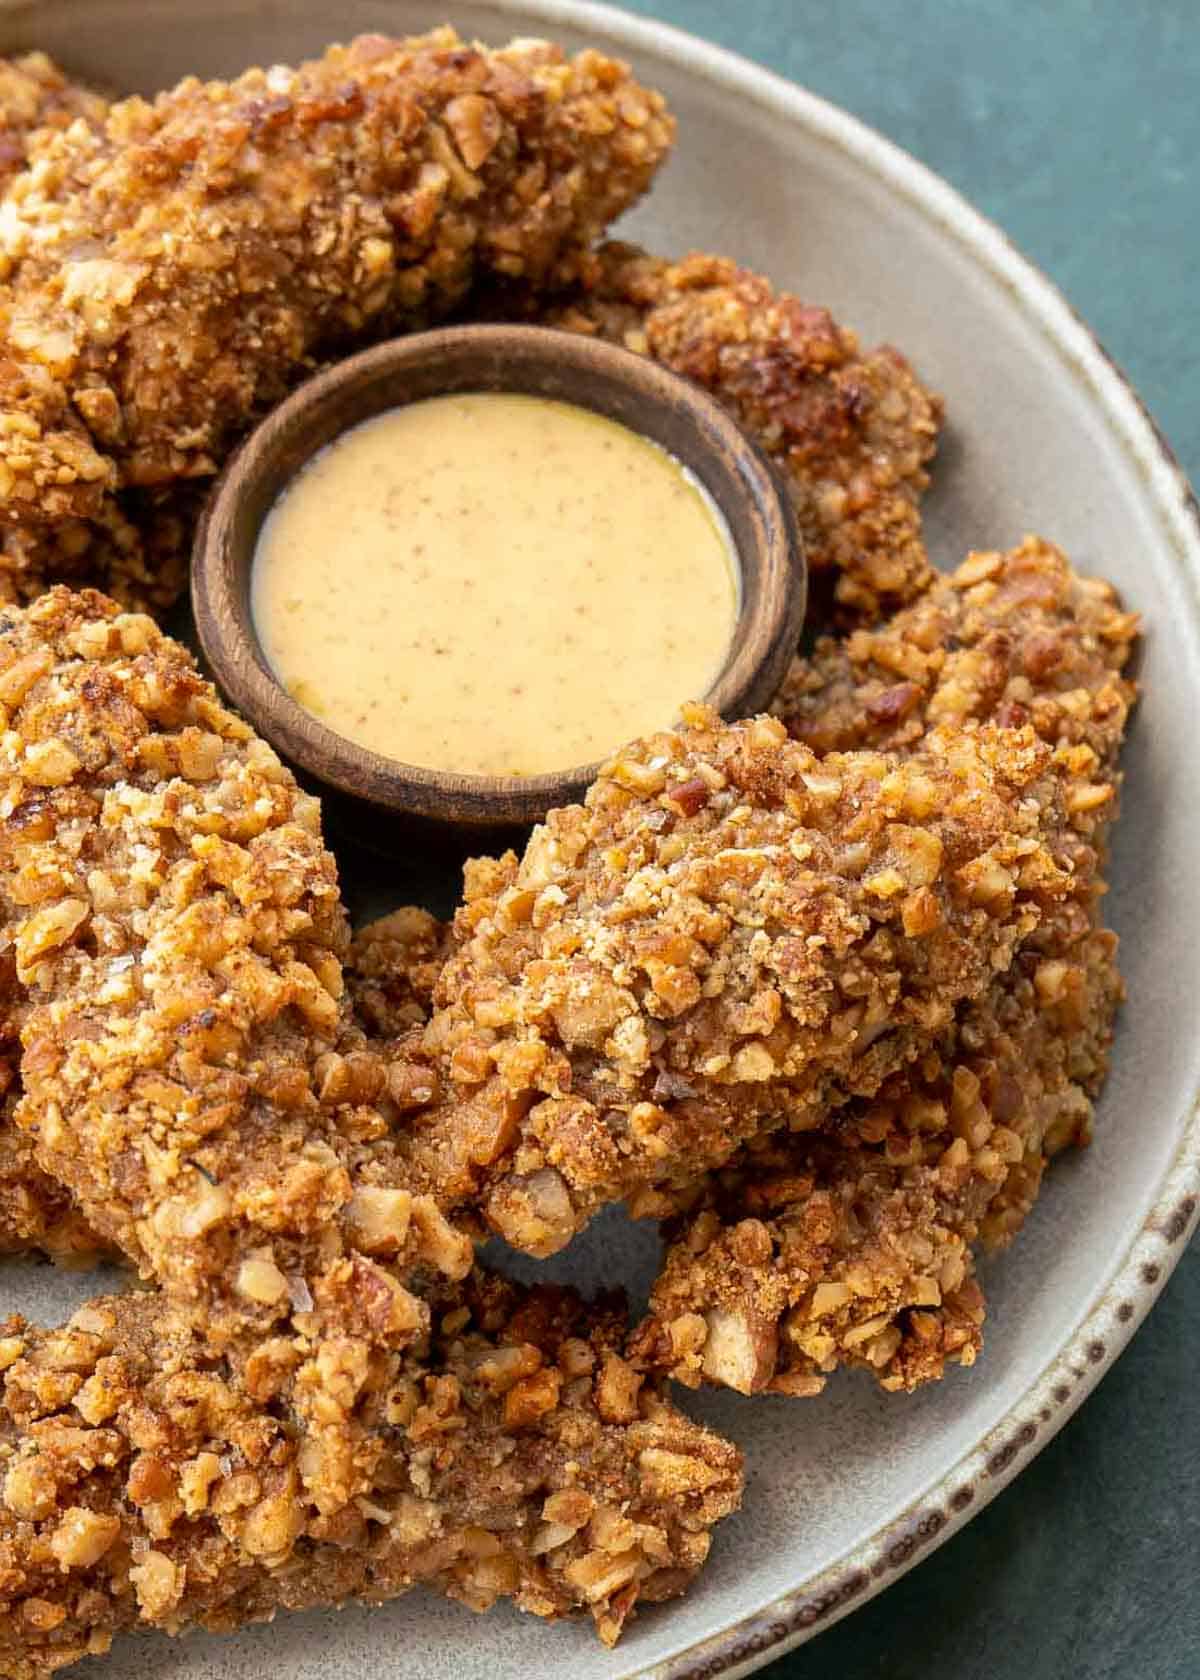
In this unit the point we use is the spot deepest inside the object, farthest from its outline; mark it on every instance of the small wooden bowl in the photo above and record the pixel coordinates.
(534, 360)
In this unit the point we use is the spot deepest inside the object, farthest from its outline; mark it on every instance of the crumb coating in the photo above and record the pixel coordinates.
(857, 1249)
(36, 94)
(174, 268)
(191, 1071)
(145, 1481)
(730, 935)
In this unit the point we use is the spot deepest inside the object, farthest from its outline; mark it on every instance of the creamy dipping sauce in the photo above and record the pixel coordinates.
(494, 584)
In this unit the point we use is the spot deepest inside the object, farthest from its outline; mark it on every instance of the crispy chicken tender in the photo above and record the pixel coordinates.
(35, 1212)
(1013, 638)
(34, 95)
(192, 1074)
(147, 1483)
(730, 935)
(172, 271)
(855, 1249)
(136, 548)
(391, 968)
(853, 431)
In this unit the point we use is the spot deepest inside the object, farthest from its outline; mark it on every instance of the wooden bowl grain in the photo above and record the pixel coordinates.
(536, 361)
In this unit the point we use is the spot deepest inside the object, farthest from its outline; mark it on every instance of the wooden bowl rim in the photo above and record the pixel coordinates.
(769, 620)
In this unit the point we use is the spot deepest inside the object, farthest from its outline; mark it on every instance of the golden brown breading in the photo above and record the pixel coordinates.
(1016, 637)
(36, 1213)
(392, 968)
(192, 1074)
(171, 272)
(136, 549)
(855, 1249)
(729, 935)
(35, 94)
(515, 1454)
(853, 431)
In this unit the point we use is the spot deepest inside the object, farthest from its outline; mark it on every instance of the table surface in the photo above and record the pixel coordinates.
(1076, 127)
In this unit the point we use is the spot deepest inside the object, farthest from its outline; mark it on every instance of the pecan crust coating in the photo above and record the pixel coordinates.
(730, 935)
(147, 1482)
(172, 270)
(1014, 638)
(391, 967)
(803, 1257)
(34, 95)
(855, 1249)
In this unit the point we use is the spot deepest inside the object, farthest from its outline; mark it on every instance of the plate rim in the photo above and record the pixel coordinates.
(1139, 1275)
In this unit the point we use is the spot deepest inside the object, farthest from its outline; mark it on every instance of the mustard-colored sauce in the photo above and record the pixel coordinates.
(494, 584)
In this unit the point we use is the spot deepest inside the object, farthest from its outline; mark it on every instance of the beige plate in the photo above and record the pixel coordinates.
(847, 1491)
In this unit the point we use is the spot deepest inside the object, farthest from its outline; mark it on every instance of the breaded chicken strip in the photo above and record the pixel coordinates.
(515, 1454)
(852, 431)
(192, 1073)
(857, 1251)
(34, 95)
(36, 1213)
(173, 271)
(854, 1249)
(136, 548)
(391, 967)
(1011, 638)
(730, 935)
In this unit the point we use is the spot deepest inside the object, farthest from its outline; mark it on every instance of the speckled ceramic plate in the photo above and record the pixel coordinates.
(845, 1492)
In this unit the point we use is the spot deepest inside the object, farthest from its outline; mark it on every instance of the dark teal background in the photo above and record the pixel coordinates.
(1075, 124)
